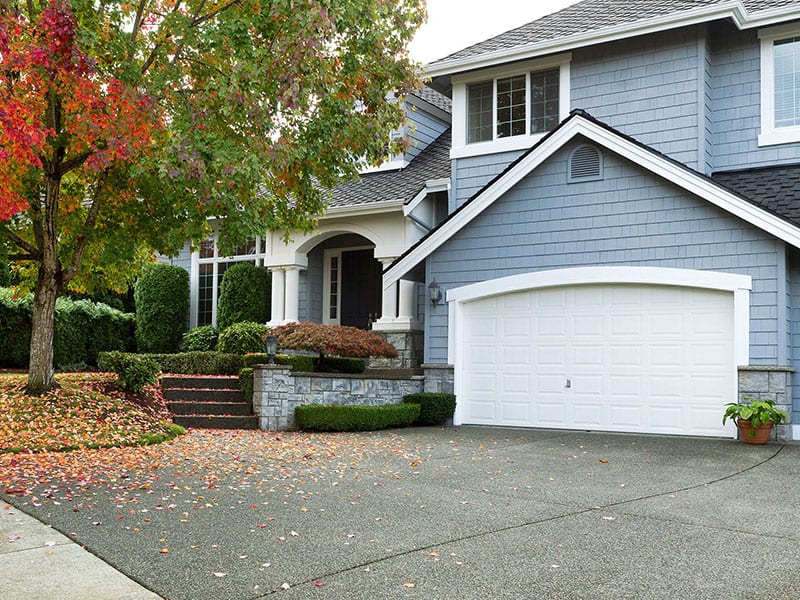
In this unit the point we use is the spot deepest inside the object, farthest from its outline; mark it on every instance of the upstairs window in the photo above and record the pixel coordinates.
(780, 85)
(509, 108)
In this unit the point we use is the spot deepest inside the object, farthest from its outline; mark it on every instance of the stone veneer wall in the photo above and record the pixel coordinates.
(277, 392)
(762, 382)
(409, 346)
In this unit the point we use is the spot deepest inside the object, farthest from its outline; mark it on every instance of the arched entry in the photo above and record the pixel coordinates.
(344, 282)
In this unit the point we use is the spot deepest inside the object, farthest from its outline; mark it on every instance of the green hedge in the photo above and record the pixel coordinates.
(246, 383)
(162, 307)
(241, 338)
(244, 295)
(83, 329)
(198, 363)
(435, 409)
(309, 364)
(317, 417)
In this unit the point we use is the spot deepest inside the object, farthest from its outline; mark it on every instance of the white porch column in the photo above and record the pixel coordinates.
(388, 302)
(292, 307)
(407, 310)
(278, 297)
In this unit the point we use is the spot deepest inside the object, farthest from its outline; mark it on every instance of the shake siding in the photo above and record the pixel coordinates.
(736, 103)
(183, 259)
(793, 314)
(423, 129)
(471, 174)
(629, 218)
(647, 87)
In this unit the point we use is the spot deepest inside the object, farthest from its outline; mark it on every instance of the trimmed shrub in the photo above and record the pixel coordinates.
(246, 383)
(435, 408)
(317, 417)
(82, 330)
(133, 372)
(162, 305)
(200, 339)
(244, 295)
(302, 364)
(241, 338)
(196, 363)
(340, 364)
(15, 328)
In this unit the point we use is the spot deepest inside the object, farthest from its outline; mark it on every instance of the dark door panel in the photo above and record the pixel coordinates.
(361, 288)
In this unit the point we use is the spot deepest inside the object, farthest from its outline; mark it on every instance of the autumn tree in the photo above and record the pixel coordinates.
(125, 125)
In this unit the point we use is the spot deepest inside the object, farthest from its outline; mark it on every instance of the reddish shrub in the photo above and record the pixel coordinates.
(332, 340)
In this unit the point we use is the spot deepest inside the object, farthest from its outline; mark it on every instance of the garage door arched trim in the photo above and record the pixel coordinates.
(461, 300)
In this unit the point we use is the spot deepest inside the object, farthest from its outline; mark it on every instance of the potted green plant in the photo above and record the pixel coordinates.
(755, 419)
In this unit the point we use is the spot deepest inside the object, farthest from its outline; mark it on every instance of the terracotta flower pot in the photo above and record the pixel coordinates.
(761, 436)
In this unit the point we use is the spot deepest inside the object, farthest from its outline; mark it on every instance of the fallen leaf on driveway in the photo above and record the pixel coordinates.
(218, 574)
(164, 551)
(318, 583)
(609, 518)
(285, 586)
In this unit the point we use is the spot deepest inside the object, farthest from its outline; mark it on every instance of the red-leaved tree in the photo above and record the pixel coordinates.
(124, 126)
(332, 340)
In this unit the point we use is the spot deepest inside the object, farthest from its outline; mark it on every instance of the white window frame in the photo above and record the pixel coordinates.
(327, 281)
(771, 135)
(461, 148)
(258, 257)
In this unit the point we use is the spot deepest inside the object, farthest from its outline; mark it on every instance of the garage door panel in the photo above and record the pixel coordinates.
(637, 358)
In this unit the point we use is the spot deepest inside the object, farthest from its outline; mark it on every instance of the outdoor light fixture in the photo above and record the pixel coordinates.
(434, 292)
(272, 347)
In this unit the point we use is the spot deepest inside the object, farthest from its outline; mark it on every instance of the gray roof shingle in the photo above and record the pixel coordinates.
(434, 98)
(775, 189)
(593, 15)
(432, 163)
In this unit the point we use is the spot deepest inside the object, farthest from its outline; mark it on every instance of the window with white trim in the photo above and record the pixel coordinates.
(780, 85)
(212, 266)
(509, 107)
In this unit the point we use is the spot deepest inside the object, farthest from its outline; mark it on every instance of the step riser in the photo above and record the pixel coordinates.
(200, 395)
(216, 422)
(211, 408)
(212, 383)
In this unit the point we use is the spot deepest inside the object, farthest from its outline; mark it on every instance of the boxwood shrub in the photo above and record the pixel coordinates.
(318, 417)
(134, 372)
(246, 383)
(241, 338)
(435, 408)
(162, 305)
(200, 339)
(198, 363)
(310, 364)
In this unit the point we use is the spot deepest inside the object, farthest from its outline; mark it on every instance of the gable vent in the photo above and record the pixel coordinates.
(585, 164)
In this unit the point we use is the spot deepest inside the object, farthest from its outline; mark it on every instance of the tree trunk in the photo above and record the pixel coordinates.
(40, 370)
(48, 286)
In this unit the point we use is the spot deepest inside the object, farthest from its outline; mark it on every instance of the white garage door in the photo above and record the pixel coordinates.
(635, 358)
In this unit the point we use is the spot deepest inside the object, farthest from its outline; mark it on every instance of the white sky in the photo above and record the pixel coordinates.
(456, 24)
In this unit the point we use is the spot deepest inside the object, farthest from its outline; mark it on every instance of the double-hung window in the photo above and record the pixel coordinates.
(509, 108)
(780, 85)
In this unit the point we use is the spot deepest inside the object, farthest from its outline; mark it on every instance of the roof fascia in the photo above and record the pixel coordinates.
(368, 208)
(733, 9)
(657, 164)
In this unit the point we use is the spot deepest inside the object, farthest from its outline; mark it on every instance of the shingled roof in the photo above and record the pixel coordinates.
(775, 189)
(594, 15)
(432, 163)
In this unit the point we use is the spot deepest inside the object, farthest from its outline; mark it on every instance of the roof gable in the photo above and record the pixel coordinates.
(581, 123)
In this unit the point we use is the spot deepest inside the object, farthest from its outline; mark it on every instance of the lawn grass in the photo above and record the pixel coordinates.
(87, 411)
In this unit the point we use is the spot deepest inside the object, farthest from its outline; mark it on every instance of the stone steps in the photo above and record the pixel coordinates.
(208, 402)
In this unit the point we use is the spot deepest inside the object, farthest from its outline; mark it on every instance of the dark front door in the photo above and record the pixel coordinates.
(361, 289)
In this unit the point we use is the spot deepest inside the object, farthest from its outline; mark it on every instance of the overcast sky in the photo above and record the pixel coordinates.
(456, 24)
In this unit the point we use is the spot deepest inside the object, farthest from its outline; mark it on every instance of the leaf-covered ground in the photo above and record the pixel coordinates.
(87, 411)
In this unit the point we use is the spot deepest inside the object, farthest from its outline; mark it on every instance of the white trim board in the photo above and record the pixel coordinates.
(733, 10)
(577, 124)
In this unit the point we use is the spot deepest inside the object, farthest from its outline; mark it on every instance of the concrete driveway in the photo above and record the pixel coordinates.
(451, 513)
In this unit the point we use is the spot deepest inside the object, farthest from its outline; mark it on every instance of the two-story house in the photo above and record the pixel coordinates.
(622, 249)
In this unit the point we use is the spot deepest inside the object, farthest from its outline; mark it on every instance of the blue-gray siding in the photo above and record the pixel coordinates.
(423, 129)
(629, 218)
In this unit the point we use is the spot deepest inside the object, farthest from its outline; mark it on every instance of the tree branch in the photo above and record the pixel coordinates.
(22, 257)
(74, 162)
(137, 25)
(29, 248)
(82, 239)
